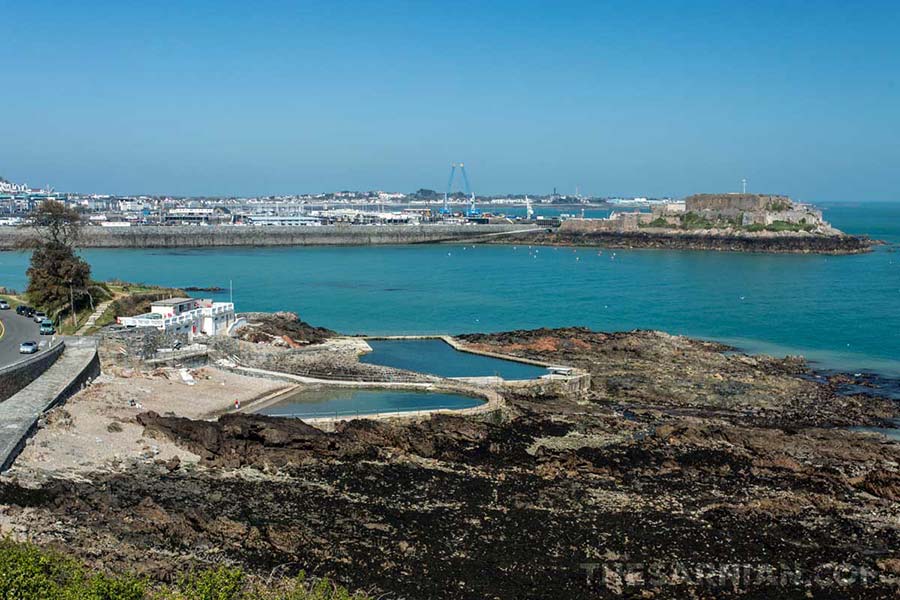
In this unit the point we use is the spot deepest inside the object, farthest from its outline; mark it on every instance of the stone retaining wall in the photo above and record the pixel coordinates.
(132, 346)
(18, 375)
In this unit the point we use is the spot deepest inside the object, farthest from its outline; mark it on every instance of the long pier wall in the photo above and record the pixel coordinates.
(325, 235)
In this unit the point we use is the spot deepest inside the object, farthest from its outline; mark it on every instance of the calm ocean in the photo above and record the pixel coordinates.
(841, 312)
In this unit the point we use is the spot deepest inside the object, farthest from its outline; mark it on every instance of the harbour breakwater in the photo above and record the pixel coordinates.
(326, 235)
(766, 242)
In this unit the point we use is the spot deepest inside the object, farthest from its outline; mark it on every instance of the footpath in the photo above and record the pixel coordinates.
(19, 414)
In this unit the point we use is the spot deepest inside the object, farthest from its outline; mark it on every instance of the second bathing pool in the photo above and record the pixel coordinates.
(437, 357)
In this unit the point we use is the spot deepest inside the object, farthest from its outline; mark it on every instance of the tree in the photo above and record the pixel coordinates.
(57, 277)
(426, 194)
(53, 222)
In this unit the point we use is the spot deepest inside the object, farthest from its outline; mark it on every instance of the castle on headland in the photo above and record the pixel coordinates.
(753, 209)
(728, 212)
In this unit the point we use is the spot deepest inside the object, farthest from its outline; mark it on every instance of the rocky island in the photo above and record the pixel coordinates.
(672, 468)
(728, 222)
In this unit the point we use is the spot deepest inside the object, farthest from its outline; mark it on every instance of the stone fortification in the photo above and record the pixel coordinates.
(735, 202)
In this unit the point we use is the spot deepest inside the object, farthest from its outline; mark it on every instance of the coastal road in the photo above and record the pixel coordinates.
(16, 329)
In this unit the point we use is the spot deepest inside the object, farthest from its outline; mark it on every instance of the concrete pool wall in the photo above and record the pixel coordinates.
(576, 380)
(490, 389)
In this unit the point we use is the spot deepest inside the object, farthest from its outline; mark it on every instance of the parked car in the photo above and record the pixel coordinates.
(47, 327)
(39, 316)
(4, 305)
(28, 347)
(24, 310)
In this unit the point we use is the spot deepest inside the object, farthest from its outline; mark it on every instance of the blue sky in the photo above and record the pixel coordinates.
(619, 98)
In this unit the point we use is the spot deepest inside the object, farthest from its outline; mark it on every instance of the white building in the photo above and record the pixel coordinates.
(284, 220)
(185, 315)
(132, 205)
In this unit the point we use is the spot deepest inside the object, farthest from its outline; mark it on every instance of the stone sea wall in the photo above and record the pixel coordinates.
(326, 235)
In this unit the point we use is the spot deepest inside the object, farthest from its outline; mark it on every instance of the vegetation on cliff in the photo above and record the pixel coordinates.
(28, 572)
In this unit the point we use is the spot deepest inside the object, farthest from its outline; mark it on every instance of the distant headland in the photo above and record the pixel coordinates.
(726, 222)
(738, 222)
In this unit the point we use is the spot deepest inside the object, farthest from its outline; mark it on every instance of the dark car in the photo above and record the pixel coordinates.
(24, 310)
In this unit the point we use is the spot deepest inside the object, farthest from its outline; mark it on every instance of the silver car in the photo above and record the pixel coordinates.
(28, 347)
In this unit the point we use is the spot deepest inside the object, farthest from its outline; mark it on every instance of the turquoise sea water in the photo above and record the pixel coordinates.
(843, 312)
(439, 358)
(338, 402)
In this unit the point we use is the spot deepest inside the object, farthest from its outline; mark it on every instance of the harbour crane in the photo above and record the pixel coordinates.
(472, 212)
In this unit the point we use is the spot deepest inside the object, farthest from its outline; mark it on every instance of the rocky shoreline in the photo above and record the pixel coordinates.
(763, 242)
(681, 463)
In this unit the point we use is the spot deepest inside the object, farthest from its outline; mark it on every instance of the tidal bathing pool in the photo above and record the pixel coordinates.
(344, 402)
(437, 357)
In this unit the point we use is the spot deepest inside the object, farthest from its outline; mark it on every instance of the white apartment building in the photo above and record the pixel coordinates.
(185, 315)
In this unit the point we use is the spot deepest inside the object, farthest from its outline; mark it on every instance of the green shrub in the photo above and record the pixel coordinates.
(657, 222)
(31, 573)
(219, 584)
(27, 572)
(692, 220)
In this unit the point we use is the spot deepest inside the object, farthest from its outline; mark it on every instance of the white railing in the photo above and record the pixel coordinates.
(218, 309)
(190, 316)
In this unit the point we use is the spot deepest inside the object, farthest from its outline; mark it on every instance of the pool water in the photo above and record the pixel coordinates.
(437, 357)
(345, 402)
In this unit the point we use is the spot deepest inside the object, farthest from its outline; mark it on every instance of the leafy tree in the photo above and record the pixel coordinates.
(56, 274)
(53, 222)
(426, 194)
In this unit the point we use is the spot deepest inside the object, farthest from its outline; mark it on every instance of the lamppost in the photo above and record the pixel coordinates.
(72, 301)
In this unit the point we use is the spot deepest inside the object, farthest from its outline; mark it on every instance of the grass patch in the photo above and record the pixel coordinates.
(28, 572)
(692, 220)
(657, 222)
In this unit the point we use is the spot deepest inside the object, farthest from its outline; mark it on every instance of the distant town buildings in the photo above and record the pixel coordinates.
(333, 208)
(7, 187)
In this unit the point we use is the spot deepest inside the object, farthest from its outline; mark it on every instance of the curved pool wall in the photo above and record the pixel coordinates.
(436, 357)
(348, 402)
